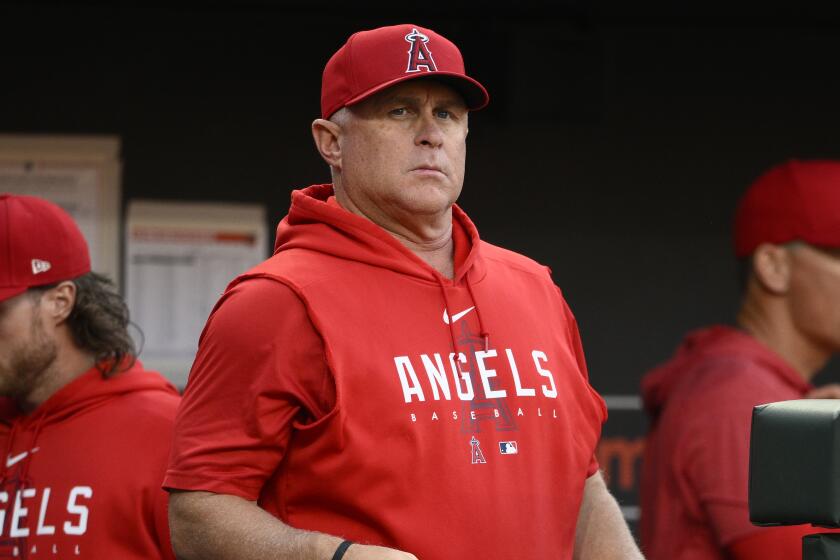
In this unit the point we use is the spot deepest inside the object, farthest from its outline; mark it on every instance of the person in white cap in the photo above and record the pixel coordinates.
(351, 394)
(84, 428)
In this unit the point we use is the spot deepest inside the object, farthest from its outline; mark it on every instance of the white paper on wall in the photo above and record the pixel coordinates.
(75, 189)
(179, 259)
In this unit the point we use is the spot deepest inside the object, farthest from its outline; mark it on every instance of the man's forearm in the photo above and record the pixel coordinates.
(207, 526)
(602, 532)
(210, 526)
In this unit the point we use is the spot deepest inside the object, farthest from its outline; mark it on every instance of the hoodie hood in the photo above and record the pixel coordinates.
(706, 345)
(87, 391)
(316, 225)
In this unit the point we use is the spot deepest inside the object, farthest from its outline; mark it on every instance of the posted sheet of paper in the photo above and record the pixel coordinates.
(74, 189)
(79, 173)
(179, 259)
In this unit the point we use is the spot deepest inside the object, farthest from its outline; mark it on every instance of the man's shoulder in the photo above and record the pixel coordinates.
(251, 304)
(727, 383)
(136, 407)
(500, 256)
(279, 264)
(144, 394)
(154, 402)
(723, 371)
(255, 309)
(294, 268)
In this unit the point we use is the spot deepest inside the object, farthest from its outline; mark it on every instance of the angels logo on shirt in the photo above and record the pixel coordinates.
(473, 381)
(477, 455)
(38, 520)
(419, 55)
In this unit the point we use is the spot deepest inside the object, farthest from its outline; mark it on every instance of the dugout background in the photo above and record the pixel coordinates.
(617, 142)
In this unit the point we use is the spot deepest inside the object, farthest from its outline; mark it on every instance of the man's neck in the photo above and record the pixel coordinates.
(439, 253)
(67, 366)
(779, 334)
(428, 237)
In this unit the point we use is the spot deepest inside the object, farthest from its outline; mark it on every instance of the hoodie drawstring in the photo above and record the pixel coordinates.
(4, 461)
(23, 476)
(449, 320)
(24, 468)
(482, 331)
(485, 336)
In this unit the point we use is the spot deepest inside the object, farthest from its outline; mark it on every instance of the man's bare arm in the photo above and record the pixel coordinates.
(602, 533)
(209, 526)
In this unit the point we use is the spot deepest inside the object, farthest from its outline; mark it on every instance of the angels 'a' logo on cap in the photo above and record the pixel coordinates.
(39, 266)
(419, 55)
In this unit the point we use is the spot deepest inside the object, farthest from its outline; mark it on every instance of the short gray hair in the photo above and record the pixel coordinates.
(340, 117)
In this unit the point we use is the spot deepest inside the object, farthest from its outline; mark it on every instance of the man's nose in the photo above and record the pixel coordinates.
(429, 132)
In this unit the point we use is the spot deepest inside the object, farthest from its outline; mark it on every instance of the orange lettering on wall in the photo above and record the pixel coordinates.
(623, 452)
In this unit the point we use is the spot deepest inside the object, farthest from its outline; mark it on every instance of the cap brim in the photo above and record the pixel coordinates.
(475, 96)
(8, 293)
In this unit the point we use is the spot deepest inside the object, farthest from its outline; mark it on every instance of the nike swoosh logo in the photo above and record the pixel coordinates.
(14, 459)
(456, 316)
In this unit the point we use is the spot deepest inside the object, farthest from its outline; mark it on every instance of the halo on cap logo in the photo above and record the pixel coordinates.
(419, 55)
(39, 266)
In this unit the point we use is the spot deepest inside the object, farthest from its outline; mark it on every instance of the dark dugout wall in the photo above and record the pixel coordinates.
(616, 145)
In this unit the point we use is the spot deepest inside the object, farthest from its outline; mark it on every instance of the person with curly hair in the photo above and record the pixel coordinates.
(84, 428)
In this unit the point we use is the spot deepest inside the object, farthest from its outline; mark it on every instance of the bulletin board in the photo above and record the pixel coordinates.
(180, 256)
(79, 173)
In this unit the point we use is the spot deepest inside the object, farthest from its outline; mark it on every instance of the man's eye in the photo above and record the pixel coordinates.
(399, 111)
(443, 114)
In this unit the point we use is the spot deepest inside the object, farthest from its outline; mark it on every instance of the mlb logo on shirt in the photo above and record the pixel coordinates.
(508, 448)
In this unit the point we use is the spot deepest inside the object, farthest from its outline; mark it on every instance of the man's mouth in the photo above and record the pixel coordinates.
(428, 170)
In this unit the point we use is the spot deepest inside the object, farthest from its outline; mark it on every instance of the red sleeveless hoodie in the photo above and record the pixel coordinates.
(460, 422)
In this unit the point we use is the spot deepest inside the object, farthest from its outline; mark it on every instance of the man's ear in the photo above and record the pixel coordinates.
(772, 267)
(327, 136)
(58, 302)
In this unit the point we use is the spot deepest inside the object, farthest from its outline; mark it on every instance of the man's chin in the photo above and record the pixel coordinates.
(430, 197)
(428, 208)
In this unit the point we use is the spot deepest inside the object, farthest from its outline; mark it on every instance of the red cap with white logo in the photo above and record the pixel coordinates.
(371, 61)
(40, 244)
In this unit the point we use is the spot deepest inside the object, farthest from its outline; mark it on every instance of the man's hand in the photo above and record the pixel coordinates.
(830, 391)
(363, 552)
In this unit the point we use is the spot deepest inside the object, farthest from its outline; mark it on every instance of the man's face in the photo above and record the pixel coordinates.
(26, 349)
(403, 150)
(814, 295)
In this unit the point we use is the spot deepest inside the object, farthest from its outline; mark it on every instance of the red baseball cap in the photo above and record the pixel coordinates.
(794, 201)
(373, 60)
(40, 244)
